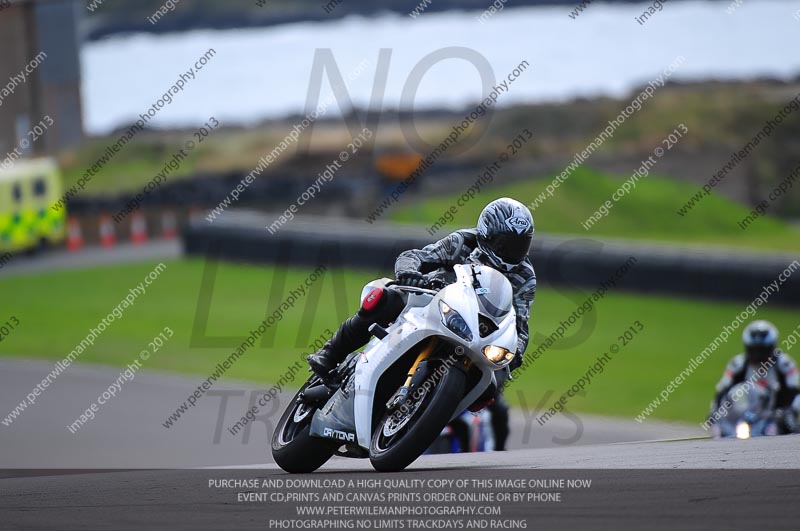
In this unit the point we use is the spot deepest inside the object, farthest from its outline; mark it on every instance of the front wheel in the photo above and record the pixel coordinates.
(402, 436)
(293, 449)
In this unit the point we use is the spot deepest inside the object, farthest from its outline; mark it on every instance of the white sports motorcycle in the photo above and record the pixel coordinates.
(391, 401)
(752, 412)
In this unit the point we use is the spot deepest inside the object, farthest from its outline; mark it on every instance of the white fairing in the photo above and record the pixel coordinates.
(422, 318)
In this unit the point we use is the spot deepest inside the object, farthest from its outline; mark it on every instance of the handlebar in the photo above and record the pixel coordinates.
(413, 289)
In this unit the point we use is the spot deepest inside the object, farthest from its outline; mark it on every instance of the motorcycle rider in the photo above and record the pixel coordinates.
(501, 240)
(778, 369)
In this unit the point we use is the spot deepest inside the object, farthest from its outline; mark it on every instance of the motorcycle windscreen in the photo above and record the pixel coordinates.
(495, 294)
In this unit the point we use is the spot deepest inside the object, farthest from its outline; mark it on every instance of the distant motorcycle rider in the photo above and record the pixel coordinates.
(762, 357)
(501, 240)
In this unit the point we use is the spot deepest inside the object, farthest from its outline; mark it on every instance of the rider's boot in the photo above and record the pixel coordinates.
(352, 334)
(499, 411)
(379, 306)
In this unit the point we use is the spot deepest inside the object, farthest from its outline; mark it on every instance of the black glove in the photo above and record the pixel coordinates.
(415, 279)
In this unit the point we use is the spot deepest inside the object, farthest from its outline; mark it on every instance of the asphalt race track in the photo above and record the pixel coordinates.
(128, 431)
(618, 498)
(52, 479)
(61, 259)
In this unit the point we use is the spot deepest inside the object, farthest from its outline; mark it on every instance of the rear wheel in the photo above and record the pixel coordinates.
(403, 435)
(293, 449)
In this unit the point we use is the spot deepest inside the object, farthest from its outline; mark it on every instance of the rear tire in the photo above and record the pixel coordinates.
(293, 449)
(426, 422)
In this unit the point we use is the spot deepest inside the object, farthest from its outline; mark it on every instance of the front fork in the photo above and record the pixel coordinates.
(413, 379)
(399, 397)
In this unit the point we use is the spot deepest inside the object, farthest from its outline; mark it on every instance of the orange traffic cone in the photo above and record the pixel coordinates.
(138, 228)
(107, 236)
(74, 234)
(169, 226)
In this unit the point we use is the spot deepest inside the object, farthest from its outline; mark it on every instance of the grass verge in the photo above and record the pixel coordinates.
(57, 309)
(647, 213)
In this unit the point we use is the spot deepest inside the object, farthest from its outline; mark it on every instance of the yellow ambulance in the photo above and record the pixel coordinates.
(28, 191)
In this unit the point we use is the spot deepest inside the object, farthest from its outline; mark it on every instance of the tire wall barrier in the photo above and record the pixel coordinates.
(563, 262)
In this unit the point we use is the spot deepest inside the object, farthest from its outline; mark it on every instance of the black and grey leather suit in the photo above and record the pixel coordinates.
(461, 246)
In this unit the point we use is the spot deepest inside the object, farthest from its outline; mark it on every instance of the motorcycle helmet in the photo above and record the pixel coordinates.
(760, 339)
(505, 231)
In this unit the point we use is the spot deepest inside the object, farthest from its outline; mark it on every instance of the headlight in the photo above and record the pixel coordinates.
(453, 320)
(497, 354)
(742, 430)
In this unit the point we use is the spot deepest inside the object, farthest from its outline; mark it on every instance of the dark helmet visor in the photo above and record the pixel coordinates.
(510, 248)
(757, 354)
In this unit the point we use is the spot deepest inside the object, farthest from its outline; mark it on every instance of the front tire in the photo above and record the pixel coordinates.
(394, 447)
(293, 449)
